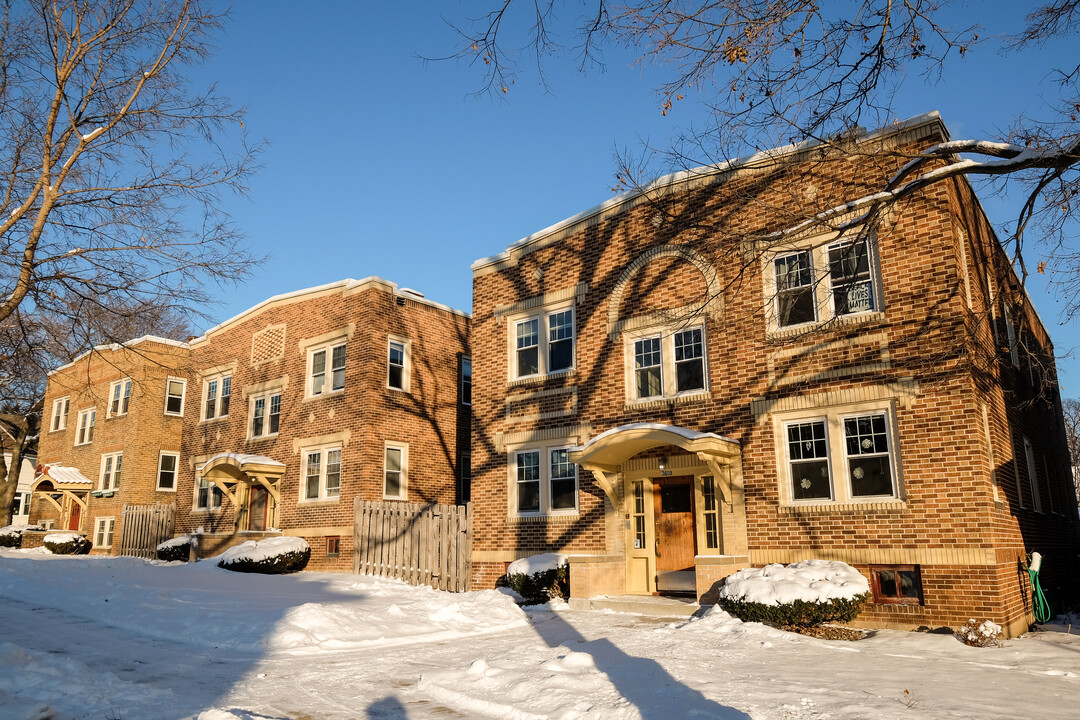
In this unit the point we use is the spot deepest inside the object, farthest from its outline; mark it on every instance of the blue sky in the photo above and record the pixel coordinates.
(383, 164)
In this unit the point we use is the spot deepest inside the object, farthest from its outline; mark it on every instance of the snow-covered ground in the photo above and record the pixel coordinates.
(123, 639)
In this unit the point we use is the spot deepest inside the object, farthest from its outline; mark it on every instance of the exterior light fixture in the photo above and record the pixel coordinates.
(663, 462)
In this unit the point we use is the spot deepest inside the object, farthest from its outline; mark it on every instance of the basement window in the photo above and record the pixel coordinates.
(333, 546)
(896, 584)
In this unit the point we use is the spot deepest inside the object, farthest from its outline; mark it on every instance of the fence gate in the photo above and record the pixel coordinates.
(418, 543)
(145, 527)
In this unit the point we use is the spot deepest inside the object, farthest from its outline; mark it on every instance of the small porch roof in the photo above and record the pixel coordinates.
(610, 449)
(61, 478)
(244, 463)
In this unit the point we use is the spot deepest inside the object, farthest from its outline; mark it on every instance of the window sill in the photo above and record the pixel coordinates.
(175, 415)
(325, 395)
(83, 444)
(540, 379)
(167, 490)
(777, 333)
(662, 402)
(826, 507)
(206, 511)
(567, 517)
(208, 421)
(317, 502)
(261, 438)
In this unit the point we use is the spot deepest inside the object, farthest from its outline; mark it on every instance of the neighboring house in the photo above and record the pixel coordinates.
(110, 417)
(20, 505)
(271, 423)
(667, 402)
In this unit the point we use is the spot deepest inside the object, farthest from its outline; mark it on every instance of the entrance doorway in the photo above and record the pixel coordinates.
(259, 503)
(74, 520)
(673, 511)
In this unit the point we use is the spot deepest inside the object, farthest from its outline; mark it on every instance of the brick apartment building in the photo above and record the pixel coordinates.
(668, 402)
(270, 423)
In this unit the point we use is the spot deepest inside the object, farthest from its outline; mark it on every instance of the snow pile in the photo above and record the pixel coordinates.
(179, 541)
(257, 551)
(979, 634)
(58, 538)
(812, 581)
(11, 531)
(537, 564)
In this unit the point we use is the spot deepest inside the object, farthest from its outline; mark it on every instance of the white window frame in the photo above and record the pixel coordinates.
(543, 317)
(218, 381)
(268, 400)
(119, 397)
(183, 395)
(545, 508)
(84, 430)
(323, 452)
(836, 452)
(327, 389)
(104, 528)
(668, 375)
(21, 503)
(403, 481)
(212, 492)
(111, 472)
(406, 367)
(175, 471)
(60, 408)
(821, 282)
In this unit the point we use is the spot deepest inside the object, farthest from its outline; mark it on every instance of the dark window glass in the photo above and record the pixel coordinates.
(794, 289)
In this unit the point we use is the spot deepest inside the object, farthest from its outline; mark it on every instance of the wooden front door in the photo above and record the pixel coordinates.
(75, 517)
(673, 507)
(258, 505)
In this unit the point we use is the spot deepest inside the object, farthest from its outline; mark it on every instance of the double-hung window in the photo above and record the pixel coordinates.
(831, 280)
(326, 369)
(174, 396)
(465, 372)
(217, 394)
(395, 471)
(167, 466)
(543, 344)
(322, 474)
(59, 413)
(397, 363)
(668, 364)
(85, 432)
(119, 397)
(265, 414)
(207, 495)
(112, 466)
(840, 457)
(545, 481)
(103, 532)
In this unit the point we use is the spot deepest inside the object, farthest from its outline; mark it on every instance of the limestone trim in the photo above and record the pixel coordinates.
(281, 383)
(549, 519)
(845, 507)
(576, 293)
(712, 306)
(342, 530)
(511, 400)
(905, 390)
(500, 556)
(268, 344)
(880, 339)
(570, 433)
(721, 559)
(688, 398)
(532, 380)
(594, 559)
(343, 333)
(978, 556)
(226, 369)
(339, 438)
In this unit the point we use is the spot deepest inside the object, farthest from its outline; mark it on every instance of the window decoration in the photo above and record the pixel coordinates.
(833, 280)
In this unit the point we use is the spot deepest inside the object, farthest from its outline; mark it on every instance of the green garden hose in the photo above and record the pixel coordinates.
(1039, 606)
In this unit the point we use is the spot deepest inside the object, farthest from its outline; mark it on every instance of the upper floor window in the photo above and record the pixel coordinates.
(545, 481)
(167, 465)
(466, 380)
(326, 369)
(543, 344)
(395, 471)
(395, 362)
(322, 474)
(265, 414)
(217, 393)
(840, 457)
(174, 396)
(85, 433)
(668, 364)
(59, 414)
(119, 397)
(815, 284)
(111, 468)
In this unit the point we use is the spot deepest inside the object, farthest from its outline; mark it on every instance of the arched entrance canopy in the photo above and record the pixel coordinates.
(225, 470)
(67, 481)
(603, 454)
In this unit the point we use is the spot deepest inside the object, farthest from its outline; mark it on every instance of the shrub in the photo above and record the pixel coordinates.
(67, 543)
(980, 634)
(11, 536)
(178, 548)
(803, 594)
(273, 556)
(540, 578)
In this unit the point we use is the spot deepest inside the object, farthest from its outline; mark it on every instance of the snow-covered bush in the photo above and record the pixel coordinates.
(11, 536)
(802, 594)
(273, 556)
(67, 543)
(980, 634)
(540, 578)
(178, 548)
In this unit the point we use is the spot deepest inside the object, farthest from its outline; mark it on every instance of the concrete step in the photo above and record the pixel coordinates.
(651, 605)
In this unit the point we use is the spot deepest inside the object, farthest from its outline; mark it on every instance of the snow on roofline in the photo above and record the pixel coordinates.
(243, 459)
(344, 285)
(121, 346)
(703, 171)
(681, 431)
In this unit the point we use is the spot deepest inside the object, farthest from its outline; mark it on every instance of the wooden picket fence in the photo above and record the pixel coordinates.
(420, 544)
(145, 527)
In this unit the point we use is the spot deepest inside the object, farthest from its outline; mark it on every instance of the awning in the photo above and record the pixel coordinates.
(68, 481)
(227, 469)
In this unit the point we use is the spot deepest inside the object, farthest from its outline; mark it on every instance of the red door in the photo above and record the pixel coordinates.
(76, 516)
